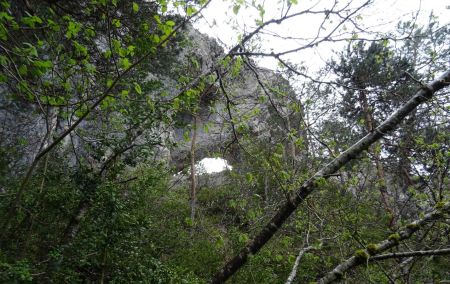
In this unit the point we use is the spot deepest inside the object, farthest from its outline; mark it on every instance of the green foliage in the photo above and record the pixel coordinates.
(361, 255)
(100, 208)
(372, 249)
(18, 272)
(394, 238)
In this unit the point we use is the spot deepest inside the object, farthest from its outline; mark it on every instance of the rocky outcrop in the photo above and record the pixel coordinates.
(256, 102)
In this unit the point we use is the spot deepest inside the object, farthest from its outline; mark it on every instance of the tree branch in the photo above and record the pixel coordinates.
(422, 95)
(297, 262)
(410, 254)
(362, 256)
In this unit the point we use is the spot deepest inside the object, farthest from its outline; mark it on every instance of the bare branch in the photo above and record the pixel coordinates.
(363, 256)
(297, 262)
(410, 254)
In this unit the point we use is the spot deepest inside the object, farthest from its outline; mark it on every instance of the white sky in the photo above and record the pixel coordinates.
(214, 165)
(382, 16)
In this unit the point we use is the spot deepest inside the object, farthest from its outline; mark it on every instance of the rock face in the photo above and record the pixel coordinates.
(253, 99)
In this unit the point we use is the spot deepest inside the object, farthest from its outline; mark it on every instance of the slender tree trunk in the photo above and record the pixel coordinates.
(73, 226)
(291, 144)
(102, 277)
(193, 195)
(69, 234)
(52, 122)
(382, 186)
(266, 189)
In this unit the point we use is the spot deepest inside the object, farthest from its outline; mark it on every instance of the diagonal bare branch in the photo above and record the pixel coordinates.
(422, 95)
(363, 256)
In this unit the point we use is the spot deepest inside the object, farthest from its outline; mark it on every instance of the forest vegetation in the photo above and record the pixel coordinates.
(337, 173)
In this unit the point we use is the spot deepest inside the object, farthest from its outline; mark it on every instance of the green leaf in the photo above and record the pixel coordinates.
(261, 11)
(188, 221)
(170, 23)
(137, 88)
(124, 63)
(176, 103)
(249, 177)
(30, 50)
(116, 23)
(5, 17)
(80, 50)
(243, 238)
(135, 7)
(124, 94)
(73, 29)
(31, 21)
(107, 102)
(220, 243)
(107, 53)
(53, 25)
(23, 70)
(157, 18)
(258, 22)
(23, 141)
(130, 50)
(3, 32)
(45, 64)
(190, 10)
(90, 68)
(186, 136)
(81, 110)
(236, 9)
(89, 32)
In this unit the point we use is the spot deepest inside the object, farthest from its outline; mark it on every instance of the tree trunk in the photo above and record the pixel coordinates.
(193, 194)
(52, 122)
(73, 226)
(382, 185)
(291, 144)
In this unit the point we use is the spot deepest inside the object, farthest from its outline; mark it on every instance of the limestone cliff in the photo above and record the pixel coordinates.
(255, 97)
